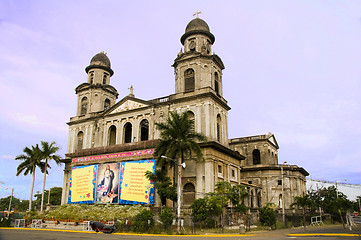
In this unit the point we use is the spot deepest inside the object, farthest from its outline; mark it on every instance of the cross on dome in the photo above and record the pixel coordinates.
(197, 13)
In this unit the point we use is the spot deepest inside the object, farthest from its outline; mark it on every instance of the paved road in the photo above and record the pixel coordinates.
(329, 233)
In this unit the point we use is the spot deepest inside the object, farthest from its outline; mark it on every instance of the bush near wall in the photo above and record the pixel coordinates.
(82, 212)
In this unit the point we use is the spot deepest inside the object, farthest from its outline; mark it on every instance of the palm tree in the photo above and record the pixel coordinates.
(177, 141)
(48, 153)
(303, 202)
(178, 138)
(31, 159)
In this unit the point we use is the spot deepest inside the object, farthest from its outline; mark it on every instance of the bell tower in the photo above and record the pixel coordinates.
(96, 95)
(196, 69)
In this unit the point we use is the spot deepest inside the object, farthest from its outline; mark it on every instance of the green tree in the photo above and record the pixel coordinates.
(200, 211)
(177, 139)
(55, 197)
(267, 215)
(16, 204)
(48, 152)
(333, 202)
(31, 159)
(166, 217)
(226, 193)
(163, 185)
(143, 221)
(303, 202)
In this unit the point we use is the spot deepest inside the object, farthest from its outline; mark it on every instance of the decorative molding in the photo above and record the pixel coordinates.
(128, 105)
(114, 155)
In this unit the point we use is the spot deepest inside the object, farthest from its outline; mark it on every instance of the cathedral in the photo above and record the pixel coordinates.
(106, 131)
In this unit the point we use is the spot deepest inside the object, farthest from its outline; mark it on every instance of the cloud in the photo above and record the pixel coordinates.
(11, 157)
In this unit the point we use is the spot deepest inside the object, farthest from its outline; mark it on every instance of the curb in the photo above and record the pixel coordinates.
(133, 234)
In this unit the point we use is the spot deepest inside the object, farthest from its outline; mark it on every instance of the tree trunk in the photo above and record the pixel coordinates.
(32, 188)
(304, 218)
(42, 194)
(343, 223)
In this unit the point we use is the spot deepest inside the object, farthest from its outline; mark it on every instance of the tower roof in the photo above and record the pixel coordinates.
(197, 26)
(102, 61)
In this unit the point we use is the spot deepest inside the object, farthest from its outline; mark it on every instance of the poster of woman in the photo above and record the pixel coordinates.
(107, 183)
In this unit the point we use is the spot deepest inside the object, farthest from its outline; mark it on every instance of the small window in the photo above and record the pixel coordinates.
(91, 77)
(219, 136)
(84, 106)
(192, 45)
(233, 173)
(106, 104)
(80, 140)
(105, 76)
(192, 118)
(189, 80)
(279, 182)
(250, 182)
(216, 84)
(219, 169)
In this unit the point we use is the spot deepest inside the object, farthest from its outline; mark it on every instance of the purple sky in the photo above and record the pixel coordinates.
(292, 68)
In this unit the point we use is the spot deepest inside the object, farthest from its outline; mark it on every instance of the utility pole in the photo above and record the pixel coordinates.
(11, 198)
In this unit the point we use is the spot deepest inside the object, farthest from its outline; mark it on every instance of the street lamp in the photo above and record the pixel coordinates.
(283, 197)
(336, 185)
(179, 189)
(11, 197)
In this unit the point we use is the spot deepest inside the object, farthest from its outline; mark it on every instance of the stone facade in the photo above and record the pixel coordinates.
(104, 126)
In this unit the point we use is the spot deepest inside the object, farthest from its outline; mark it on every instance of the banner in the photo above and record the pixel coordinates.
(135, 188)
(117, 183)
(107, 183)
(82, 184)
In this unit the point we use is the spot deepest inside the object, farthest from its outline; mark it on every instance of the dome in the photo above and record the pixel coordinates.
(197, 26)
(102, 61)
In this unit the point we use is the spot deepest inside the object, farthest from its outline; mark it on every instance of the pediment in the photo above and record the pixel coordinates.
(128, 105)
(273, 140)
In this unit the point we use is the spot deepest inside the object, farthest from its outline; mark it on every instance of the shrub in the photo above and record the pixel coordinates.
(267, 216)
(166, 217)
(143, 221)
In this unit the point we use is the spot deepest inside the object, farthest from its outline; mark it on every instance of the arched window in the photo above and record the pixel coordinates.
(189, 194)
(252, 199)
(127, 132)
(84, 106)
(106, 104)
(219, 133)
(189, 80)
(256, 157)
(105, 76)
(259, 199)
(91, 77)
(280, 201)
(112, 135)
(79, 140)
(216, 83)
(192, 118)
(144, 130)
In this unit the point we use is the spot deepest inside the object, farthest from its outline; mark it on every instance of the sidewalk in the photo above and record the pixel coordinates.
(329, 230)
